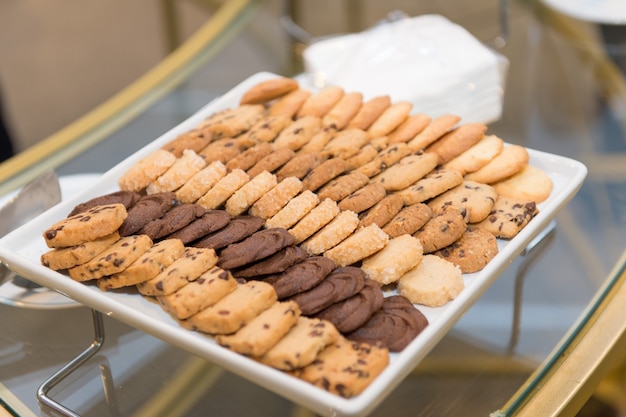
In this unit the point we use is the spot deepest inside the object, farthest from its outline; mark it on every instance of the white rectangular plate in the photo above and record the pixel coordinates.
(21, 251)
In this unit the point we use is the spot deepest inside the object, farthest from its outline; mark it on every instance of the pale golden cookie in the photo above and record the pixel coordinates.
(230, 123)
(511, 160)
(472, 252)
(508, 217)
(321, 102)
(339, 228)
(201, 182)
(65, 258)
(275, 199)
(223, 189)
(249, 193)
(386, 158)
(409, 220)
(289, 104)
(530, 184)
(365, 155)
(346, 108)
(346, 143)
(185, 167)
(457, 141)
(400, 255)
(317, 218)
(433, 184)
(266, 129)
(369, 112)
(390, 119)
(437, 128)
(295, 210)
(477, 156)
(268, 90)
(146, 170)
(318, 140)
(298, 133)
(358, 246)
(433, 282)
(342, 186)
(410, 128)
(473, 199)
(407, 171)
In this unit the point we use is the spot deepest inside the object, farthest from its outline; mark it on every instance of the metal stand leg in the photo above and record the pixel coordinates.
(42, 392)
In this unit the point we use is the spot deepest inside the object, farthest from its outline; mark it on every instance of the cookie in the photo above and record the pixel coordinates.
(443, 229)
(299, 166)
(126, 198)
(246, 159)
(211, 221)
(457, 141)
(266, 129)
(433, 283)
(301, 345)
(230, 123)
(400, 255)
(223, 189)
(473, 199)
(186, 268)
(363, 198)
(183, 169)
(472, 251)
(272, 162)
(529, 184)
(97, 222)
(407, 171)
(273, 264)
(193, 139)
(390, 119)
(508, 217)
(340, 284)
(365, 155)
(235, 310)
(264, 331)
(201, 182)
(175, 219)
(146, 170)
(259, 245)
(431, 185)
(147, 266)
(321, 102)
(438, 127)
(323, 173)
(289, 104)
(301, 277)
(369, 112)
(236, 230)
(394, 326)
(409, 220)
(319, 140)
(223, 150)
(332, 234)
(511, 160)
(69, 257)
(268, 90)
(148, 208)
(346, 143)
(385, 159)
(210, 287)
(296, 209)
(298, 133)
(341, 113)
(477, 156)
(112, 260)
(385, 210)
(358, 246)
(314, 220)
(409, 128)
(276, 198)
(345, 368)
(249, 193)
(342, 186)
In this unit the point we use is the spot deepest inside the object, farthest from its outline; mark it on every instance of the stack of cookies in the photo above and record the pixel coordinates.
(295, 211)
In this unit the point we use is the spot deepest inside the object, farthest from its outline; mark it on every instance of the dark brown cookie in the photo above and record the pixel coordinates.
(394, 326)
(259, 245)
(127, 198)
(339, 285)
(273, 264)
(301, 277)
(211, 221)
(148, 208)
(350, 314)
(175, 219)
(236, 230)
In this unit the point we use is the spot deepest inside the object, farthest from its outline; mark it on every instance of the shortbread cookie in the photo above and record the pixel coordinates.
(273, 264)
(148, 208)
(259, 245)
(193, 139)
(342, 186)
(411, 127)
(301, 277)
(530, 184)
(298, 133)
(175, 219)
(266, 130)
(223, 189)
(230, 123)
(146, 170)
(301, 345)
(299, 166)
(275, 199)
(246, 159)
(203, 292)
(369, 112)
(407, 171)
(457, 141)
(400, 255)
(324, 173)
(317, 218)
(321, 102)
(236, 230)
(69, 257)
(346, 368)
(477, 156)
(235, 310)
(346, 143)
(394, 326)
(437, 128)
(211, 221)
(332, 234)
(409, 220)
(127, 198)
(263, 331)
(249, 193)
(431, 185)
(473, 199)
(443, 229)
(508, 217)
(361, 244)
(268, 90)
(390, 119)
(183, 169)
(272, 162)
(511, 160)
(289, 104)
(223, 150)
(433, 283)
(363, 198)
(296, 209)
(112, 260)
(472, 251)
(201, 182)
(341, 113)
(383, 211)
(97, 222)
(146, 267)
(186, 268)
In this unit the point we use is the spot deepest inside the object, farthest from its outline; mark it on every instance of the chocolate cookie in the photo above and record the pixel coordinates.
(127, 198)
(148, 208)
(301, 277)
(256, 247)
(273, 264)
(211, 221)
(175, 219)
(236, 230)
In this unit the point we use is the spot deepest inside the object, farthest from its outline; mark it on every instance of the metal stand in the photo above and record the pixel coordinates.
(44, 389)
